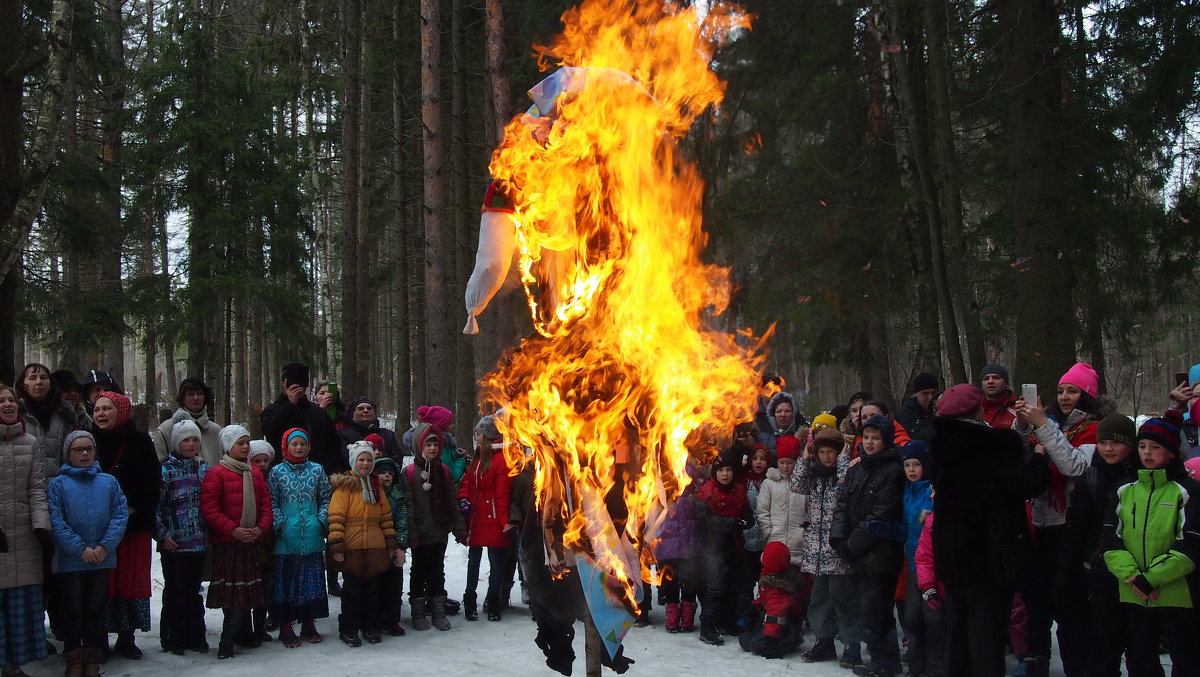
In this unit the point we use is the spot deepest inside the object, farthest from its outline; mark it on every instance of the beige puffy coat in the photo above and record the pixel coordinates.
(782, 513)
(22, 506)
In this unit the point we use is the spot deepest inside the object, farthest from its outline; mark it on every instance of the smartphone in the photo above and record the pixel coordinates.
(296, 374)
(1029, 393)
(1181, 378)
(333, 390)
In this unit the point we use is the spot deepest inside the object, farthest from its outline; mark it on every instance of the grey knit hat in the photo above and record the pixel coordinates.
(487, 428)
(74, 435)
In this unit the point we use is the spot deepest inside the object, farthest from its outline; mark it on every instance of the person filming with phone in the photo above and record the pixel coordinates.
(293, 409)
(1185, 398)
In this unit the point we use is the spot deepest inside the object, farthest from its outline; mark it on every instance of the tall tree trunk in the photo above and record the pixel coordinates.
(364, 303)
(936, 26)
(1046, 326)
(464, 369)
(439, 257)
(351, 184)
(113, 90)
(400, 330)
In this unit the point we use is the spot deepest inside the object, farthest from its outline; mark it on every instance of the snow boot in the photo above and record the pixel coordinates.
(687, 617)
(287, 636)
(437, 609)
(420, 619)
(91, 662)
(851, 656)
(709, 634)
(470, 610)
(74, 662)
(259, 623)
(308, 633)
(524, 594)
(823, 650)
(452, 606)
(672, 617)
(494, 607)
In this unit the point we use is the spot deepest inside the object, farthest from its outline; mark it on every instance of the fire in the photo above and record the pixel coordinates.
(629, 374)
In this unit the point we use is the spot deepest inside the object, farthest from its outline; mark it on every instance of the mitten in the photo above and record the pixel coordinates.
(466, 507)
(619, 663)
(888, 531)
(512, 529)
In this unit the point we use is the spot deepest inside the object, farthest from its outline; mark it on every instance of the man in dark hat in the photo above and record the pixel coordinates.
(916, 412)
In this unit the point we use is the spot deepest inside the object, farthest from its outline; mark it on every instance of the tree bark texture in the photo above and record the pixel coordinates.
(351, 130)
(439, 241)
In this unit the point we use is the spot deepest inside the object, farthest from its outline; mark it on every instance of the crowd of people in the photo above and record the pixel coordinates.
(1067, 515)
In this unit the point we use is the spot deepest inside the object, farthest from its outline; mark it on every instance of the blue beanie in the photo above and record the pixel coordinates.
(918, 449)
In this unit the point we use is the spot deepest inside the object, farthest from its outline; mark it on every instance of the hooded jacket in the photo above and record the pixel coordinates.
(300, 494)
(782, 513)
(177, 515)
(818, 557)
(63, 420)
(719, 507)
(872, 490)
(916, 421)
(210, 436)
(360, 530)
(767, 437)
(87, 509)
(22, 506)
(1095, 491)
(489, 492)
(1152, 531)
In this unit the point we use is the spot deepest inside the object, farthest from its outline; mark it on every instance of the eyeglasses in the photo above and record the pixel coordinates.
(84, 450)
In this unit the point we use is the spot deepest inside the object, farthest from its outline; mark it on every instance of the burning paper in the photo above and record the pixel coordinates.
(629, 372)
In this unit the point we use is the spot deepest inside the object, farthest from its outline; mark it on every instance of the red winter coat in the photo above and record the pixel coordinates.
(779, 599)
(221, 502)
(489, 492)
(999, 413)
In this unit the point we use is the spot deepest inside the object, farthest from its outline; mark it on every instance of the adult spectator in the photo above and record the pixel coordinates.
(128, 454)
(293, 409)
(783, 418)
(998, 396)
(69, 392)
(326, 396)
(364, 420)
(46, 416)
(25, 518)
(195, 399)
(95, 382)
(916, 411)
(982, 478)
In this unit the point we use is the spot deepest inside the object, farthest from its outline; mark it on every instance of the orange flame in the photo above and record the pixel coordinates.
(629, 374)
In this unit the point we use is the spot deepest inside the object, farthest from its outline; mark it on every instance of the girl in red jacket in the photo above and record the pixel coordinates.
(722, 508)
(483, 497)
(237, 506)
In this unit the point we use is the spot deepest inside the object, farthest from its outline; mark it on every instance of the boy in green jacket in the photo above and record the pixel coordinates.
(1152, 545)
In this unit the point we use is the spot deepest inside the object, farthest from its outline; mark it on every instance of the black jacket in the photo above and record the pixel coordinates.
(982, 477)
(128, 454)
(326, 446)
(872, 490)
(356, 433)
(1095, 493)
(918, 422)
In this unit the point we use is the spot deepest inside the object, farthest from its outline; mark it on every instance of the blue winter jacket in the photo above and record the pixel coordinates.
(917, 499)
(87, 509)
(178, 514)
(300, 495)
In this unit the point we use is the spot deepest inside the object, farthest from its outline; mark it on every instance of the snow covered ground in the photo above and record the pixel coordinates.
(479, 647)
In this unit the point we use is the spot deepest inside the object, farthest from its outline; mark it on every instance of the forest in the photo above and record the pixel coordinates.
(217, 187)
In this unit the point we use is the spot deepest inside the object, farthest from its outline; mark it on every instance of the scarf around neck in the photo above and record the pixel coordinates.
(249, 505)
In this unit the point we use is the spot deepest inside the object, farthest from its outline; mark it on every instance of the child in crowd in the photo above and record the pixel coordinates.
(833, 609)
(433, 514)
(678, 551)
(722, 507)
(237, 506)
(782, 513)
(362, 539)
(300, 493)
(483, 499)
(261, 456)
(182, 536)
(777, 630)
(925, 639)
(1114, 464)
(1151, 547)
(873, 490)
(747, 565)
(928, 594)
(88, 514)
(391, 582)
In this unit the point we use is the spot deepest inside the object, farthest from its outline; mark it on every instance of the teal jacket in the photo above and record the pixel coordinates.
(300, 495)
(1153, 530)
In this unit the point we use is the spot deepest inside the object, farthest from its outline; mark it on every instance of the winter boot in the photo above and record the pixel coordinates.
(331, 577)
(494, 607)
(437, 609)
(91, 662)
(709, 634)
(260, 625)
(506, 595)
(873, 669)
(308, 633)
(452, 607)
(672, 617)
(524, 594)
(687, 617)
(1037, 666)
(471, 612)
(420, 621)
(851, 656)
(823, 650)
(74, 662)
(126, 647)
(288, 636)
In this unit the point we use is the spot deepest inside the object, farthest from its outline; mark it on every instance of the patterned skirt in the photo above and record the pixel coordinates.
(298, 588)
(22, 630)
(128, 604)
(236, 581)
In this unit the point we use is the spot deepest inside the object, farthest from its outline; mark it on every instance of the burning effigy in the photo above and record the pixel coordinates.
(629, 372)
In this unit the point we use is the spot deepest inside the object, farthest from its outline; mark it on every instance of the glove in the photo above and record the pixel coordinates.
(770, 648)
(512, 529)
(3, 541)
(888, 531)
(466, 507)
(931, 599)
(1143, 585)
(619, 663)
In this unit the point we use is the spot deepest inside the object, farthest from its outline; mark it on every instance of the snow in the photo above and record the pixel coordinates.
(497, 649)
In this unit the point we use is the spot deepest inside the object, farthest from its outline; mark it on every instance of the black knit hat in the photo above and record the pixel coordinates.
(1118, 428)
(924, 381)
(993, 368)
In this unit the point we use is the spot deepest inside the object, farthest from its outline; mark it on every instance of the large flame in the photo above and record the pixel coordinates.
(628, 375)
